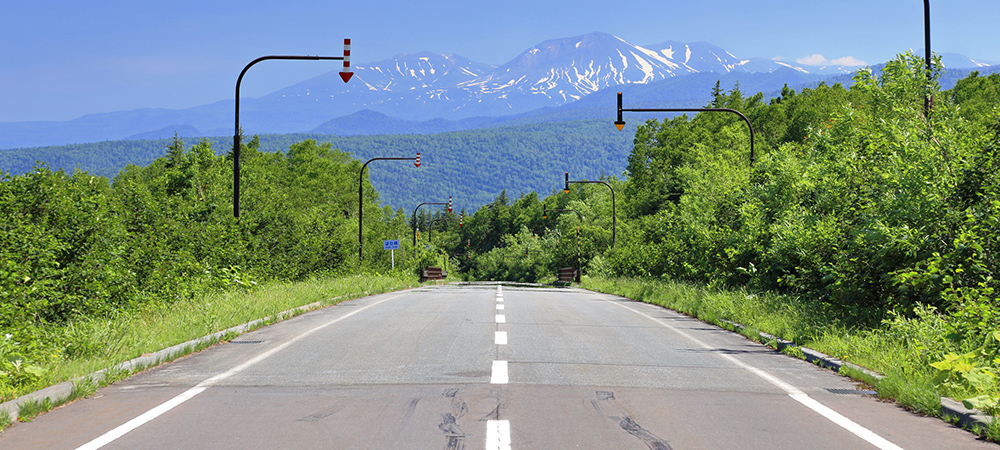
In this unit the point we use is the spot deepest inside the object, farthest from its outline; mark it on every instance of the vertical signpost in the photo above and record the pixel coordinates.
(392, 246)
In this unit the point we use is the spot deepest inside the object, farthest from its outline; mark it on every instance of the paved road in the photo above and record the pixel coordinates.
(476, 367)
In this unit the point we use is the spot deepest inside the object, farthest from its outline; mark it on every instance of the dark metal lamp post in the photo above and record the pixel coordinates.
(430, 227)
(545, 216)
(580, 216)
(415, 217)
(344, 75)
(927, 57)
(361, 206)
(621, 123)
(614, 220)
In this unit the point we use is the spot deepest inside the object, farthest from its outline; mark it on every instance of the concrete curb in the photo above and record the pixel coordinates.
(970, 419)
(59, 393)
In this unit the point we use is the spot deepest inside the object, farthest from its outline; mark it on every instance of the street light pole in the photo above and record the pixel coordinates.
(571, 210)
(621, 123)
(614, 220)
(580, 216)
(415, 219)
(361, 206)
(430, 228)
(345, 75)
(927, 57)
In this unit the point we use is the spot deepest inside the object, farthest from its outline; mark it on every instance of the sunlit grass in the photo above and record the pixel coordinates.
(893, 349)
(97, 344)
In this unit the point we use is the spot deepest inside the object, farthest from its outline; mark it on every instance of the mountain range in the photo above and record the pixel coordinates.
(428, 93)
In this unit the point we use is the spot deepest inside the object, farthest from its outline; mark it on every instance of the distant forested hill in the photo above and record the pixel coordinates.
(473, 166)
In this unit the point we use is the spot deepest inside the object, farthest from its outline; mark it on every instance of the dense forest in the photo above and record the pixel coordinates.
(76, 245)
(472, 166)
(858, 200)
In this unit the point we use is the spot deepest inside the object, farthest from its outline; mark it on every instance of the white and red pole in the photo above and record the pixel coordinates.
(346, 74)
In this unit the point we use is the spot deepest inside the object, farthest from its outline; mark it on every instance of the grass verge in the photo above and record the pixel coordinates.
(101, 345)
(897, 349)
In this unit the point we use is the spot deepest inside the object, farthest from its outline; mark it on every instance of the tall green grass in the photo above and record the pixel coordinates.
(90, 345)
(899, 348)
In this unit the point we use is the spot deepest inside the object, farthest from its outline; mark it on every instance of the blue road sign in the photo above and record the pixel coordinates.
(390, 244)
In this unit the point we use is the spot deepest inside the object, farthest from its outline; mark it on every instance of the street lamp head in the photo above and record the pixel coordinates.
(620, 124)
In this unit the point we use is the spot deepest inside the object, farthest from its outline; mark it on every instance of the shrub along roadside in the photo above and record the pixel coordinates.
(76, 248)
(97, 344)
(903, 349)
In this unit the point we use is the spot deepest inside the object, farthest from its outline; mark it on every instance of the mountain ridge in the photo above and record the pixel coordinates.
(418, 87)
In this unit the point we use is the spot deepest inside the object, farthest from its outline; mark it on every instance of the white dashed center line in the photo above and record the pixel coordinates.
(499, 372)
(497, 435)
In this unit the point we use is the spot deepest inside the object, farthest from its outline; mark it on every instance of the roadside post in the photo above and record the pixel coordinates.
(391, 245)
(345, 75)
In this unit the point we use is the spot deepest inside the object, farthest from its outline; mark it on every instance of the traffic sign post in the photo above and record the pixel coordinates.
(392, 246)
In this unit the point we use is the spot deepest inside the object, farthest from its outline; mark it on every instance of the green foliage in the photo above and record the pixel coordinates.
(961, 374)
(76, 246)
(858, 200)
(852, 198)
(470, 165)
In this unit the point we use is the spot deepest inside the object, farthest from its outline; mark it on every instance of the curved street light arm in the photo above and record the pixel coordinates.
(614, 220)
(430, 227)
(620, 123)
(236, 133)
(361, 206)
(415, 219)
(573, 210)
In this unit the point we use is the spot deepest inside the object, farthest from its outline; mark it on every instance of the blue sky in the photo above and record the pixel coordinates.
(63, 59)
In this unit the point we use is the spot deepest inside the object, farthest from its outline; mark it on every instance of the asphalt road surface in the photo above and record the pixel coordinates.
(474, 367)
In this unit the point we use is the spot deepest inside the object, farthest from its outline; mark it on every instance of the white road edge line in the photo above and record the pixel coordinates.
(497, 435)
(499, 373)
(793, 392)
(500, 338)
(121, 430)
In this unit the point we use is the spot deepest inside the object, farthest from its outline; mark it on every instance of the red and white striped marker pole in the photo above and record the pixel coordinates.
(346, 74)
(418, 160)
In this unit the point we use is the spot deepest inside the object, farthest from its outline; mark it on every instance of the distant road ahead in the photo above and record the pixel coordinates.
(473, 367)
